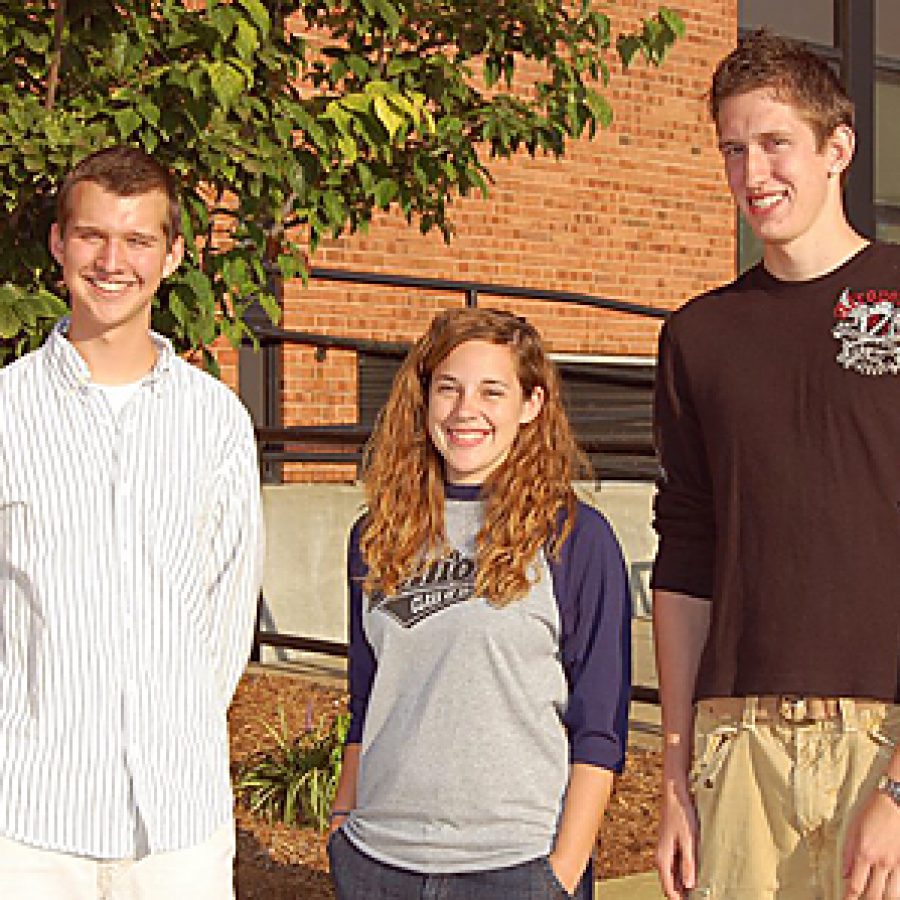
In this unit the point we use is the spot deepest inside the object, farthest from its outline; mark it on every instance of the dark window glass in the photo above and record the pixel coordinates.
(887, 138)
(887, 28)
(887, 231)
(806, 20)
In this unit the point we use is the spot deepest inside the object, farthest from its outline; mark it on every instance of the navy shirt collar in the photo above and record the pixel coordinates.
(462, 491)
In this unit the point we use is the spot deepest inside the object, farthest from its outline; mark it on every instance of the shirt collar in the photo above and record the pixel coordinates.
(462, 491)
(69, 366)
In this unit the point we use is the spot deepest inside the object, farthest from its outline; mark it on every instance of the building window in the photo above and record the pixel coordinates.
(887, 29)
(805, 20)
(887, 165)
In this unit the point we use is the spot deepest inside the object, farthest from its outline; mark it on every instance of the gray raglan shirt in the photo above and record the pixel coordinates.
(468, 714)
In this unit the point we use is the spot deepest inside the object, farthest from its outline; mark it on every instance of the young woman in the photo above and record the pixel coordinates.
(489, 635)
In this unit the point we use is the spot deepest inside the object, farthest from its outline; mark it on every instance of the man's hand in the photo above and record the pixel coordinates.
(676, 852)
(872, 851)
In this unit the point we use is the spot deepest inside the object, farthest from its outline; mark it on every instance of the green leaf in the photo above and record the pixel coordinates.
(223, 18)
(359, 66)
(258, 13)
(118, 51)
(348, 148)
(389, 13)
(357, 102)
(599, 107)
(334, 207)
(387, 116)
(10, 324)
(246, 41)
(148, 110)
(227, 83)
(127, 121)
(673, 21)
(365, 177)
(627, 45)
(36, 42)
(270, 304)
(200, 285)
(341, 119)
(385, 191)
(195, 82)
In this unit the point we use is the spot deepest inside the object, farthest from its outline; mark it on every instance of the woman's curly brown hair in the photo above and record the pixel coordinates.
(403, 472)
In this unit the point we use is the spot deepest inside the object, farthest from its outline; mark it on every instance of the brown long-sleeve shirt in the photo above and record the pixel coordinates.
(777, 421)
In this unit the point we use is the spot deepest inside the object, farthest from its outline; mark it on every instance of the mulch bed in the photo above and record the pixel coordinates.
(278, 862)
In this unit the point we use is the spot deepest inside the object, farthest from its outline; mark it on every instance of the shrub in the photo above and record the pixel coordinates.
(295, 781)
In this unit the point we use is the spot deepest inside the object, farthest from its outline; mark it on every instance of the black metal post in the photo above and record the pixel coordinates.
(856, 38)
(259, 385)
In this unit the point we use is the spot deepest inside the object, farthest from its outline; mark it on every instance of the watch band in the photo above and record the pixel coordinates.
(887, 785)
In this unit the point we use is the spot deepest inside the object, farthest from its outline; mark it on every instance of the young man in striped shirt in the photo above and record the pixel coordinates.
(130, 538)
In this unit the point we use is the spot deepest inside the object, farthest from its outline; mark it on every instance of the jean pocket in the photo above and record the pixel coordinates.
(331, 843)
(885, 731)
(711, 749)
(556, 886)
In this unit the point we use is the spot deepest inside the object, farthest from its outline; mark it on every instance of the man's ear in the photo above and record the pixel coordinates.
(55, 242)
(840, 147)
(174, 256)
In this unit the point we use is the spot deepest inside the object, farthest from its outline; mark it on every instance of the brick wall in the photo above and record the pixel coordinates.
(640, 213)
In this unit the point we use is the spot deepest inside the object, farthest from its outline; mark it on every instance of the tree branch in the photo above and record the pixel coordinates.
(59, 21)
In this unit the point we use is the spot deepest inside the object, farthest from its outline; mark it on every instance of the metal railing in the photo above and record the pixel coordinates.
(261, 372)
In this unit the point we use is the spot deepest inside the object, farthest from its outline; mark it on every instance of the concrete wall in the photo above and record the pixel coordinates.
(305, 577)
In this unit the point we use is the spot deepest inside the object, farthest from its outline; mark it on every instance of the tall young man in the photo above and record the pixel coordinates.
(129, 568)
(777, 584)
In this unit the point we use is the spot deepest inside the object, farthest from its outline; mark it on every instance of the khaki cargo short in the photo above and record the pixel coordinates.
(776, 782)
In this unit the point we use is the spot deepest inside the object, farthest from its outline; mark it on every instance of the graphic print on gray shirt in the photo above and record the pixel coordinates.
(466, 711)
(445, 582)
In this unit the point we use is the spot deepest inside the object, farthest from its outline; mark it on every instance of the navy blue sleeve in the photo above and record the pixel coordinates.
(591, 587)
(361, 663)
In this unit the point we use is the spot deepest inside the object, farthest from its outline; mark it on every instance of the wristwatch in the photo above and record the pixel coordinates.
(888, 786)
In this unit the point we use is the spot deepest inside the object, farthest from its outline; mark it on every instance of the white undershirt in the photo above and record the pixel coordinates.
(118, 395)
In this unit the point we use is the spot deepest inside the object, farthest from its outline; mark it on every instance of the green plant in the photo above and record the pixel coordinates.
(295, 781)
(286, 121)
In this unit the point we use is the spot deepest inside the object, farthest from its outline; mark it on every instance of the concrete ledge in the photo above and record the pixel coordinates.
(632, 887)
(305, 571)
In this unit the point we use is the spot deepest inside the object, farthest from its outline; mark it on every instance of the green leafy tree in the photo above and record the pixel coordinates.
(285, 122)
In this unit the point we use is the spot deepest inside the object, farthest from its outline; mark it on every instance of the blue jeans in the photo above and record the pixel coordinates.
(357, 876)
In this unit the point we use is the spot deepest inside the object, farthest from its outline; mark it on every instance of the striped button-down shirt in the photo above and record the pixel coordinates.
(130, 561)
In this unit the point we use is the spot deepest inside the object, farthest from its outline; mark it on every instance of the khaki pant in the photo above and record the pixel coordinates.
(774, 797)
(203, 872)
